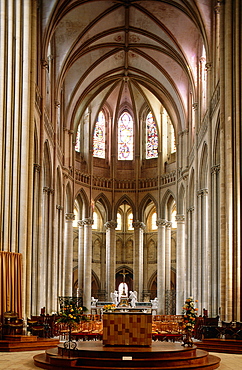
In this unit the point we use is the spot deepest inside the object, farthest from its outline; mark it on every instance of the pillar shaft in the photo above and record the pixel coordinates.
(80, 257)
(68, 253)
(110, 257)
(161, 258)
(180, 264)
(138, 259)
(87, 271)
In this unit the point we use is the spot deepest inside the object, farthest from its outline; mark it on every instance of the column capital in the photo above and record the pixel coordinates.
(138, 225)
(161, 222)
(169, 224)
(45, 64)
(37, 167)
(217, 7)
(48, 190)
(69, 217)
(202, 192)
(110, 224)
(88, 221)
(80, 223)
(215, 169)
(180, 218)
(59, 207)
(208, 66)
(191, 209)
(195, 105)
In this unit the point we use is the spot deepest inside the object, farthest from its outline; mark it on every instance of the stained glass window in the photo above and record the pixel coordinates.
(151, 137)
(125, 137)
(99, 137)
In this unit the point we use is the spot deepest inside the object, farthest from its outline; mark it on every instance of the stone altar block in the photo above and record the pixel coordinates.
(127, 329)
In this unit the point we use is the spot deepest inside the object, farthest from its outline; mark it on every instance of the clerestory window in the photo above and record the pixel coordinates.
(99, 137)
(151, 137)
(125, 137)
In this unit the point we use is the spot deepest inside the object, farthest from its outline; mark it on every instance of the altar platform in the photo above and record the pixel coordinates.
(158, 356)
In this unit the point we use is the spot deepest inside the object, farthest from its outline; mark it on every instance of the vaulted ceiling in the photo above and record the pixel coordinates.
(126, 54)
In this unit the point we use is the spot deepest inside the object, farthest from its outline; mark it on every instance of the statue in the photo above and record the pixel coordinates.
(94, 302)
(154, 303)
(114, 297)
(133, 298)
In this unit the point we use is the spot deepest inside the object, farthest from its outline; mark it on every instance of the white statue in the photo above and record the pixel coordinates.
(133, 298)
(94, 302)
(114, 297)
(154, 303)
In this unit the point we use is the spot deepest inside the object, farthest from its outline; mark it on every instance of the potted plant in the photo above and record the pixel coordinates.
(189, 315)
(71, 315)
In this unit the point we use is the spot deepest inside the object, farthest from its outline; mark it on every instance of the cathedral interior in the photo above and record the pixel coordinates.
(120, 154)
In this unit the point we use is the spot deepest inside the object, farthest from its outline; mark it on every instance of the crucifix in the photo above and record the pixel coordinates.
(123, 273)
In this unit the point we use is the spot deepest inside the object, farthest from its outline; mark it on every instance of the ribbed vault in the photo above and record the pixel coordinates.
(126, 53)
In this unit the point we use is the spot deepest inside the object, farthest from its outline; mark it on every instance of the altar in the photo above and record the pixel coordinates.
(127, 329)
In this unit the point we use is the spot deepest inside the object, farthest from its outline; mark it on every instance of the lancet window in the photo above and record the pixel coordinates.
(99, 137)
(125, 137)
(151, 137)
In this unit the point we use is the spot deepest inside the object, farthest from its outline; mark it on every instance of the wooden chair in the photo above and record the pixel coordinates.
(16, 327)
(7, 318)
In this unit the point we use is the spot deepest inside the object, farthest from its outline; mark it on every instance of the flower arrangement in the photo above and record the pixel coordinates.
(190, 314)
(109, 307)
(72, 314)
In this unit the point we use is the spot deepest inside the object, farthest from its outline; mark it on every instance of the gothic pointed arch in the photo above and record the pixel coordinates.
(152, 285)
(47, 166)
(203, 167)
(69, 199)
(103, 199)
(165, 201)
(128, 276)
(191, 189)
(58, 187)
(96, 284)
(124, 199)
(216, 151)
(144, 204)
(36, 146)
(181, 200)
(83, 201)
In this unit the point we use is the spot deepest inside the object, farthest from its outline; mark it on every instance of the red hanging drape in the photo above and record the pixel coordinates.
(10, 283)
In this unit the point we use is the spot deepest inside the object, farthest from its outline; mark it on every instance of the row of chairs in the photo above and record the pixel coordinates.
(86, 330)
(168, 318)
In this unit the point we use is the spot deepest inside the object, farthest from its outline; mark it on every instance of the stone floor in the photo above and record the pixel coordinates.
(24, 360)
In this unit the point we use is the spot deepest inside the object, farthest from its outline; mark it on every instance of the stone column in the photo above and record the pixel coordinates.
(87, 258)
(138, 259)
(215, 250)
(34, 274)
(168, 256)
(80, 257)
(205, 274)
(110, 257)
(68, 253)
(60, 245)
(191, 280)
(180, 264)
(161, 258)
